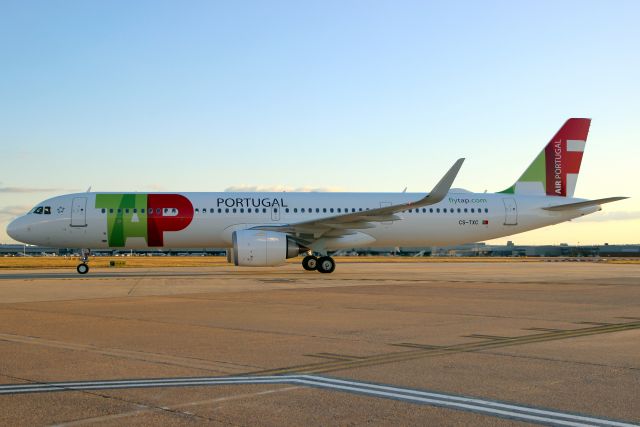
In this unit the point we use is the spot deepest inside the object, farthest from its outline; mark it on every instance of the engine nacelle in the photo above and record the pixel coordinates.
(257, 248)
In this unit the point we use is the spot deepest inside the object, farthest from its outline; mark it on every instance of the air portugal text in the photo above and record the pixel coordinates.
(250, 202)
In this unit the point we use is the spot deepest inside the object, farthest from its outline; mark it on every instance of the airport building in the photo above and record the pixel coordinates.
(466, 250)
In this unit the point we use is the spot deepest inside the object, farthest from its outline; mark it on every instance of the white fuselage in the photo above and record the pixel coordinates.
(78, 221)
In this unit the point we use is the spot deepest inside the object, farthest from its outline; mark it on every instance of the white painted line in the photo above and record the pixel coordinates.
(476, 405)
(455, 398)
(487, 407)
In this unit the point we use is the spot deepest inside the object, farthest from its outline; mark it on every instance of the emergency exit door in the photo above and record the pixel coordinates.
(384, 205)
(275, 213)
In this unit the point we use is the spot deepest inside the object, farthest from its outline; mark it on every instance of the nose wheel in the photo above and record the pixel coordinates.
(83, 268)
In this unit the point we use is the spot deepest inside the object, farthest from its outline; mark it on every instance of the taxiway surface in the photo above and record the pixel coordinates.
(432, 343)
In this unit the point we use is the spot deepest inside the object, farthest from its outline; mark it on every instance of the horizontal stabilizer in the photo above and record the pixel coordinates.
(578, 205)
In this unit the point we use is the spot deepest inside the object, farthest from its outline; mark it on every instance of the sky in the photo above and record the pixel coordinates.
(325, 95)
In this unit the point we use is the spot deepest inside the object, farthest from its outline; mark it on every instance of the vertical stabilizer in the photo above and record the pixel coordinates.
(555, 171)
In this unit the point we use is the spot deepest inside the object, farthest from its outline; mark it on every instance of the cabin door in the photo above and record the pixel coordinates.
(510, 211)
(79, 212)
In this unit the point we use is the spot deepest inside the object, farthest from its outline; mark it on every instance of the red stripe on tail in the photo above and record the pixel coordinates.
(560, 162)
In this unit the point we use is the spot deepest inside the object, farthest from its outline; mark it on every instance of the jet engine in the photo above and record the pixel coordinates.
(257, 248)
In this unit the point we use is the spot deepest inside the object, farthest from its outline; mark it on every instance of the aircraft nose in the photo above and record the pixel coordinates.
(16, 230)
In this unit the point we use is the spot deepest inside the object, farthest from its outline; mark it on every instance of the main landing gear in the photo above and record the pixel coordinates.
(324, 264)
(83, 268)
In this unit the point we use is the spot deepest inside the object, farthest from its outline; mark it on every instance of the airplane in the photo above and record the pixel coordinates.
(267, 228)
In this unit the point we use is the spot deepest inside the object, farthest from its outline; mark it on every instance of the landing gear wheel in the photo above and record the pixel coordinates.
(310, 263)
(326, 264)
(83, 268)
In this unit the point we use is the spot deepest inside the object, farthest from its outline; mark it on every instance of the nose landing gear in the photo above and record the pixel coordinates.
(83, 268)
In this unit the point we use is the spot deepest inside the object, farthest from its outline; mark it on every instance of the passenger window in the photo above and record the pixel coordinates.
(295, 210)
(103, 210)
(317, 210)
(248, 210)
(324, 210)
(110, 210)
(197, 210)
(465, 210)
(331, 210)
(430, 210)
(119, 210)
(126, 211)
(339, 210)
(360, 209)
(438, 210)
(212, 210)
(135, 210)
(458, 210)
(219, 210)
(486, 210)
(234, 210)
(241, 210)
(302, 210)
(264, 210)
(409, 210)
(158, 211)
(287, 210)
(275, 209)
(142, 210)
(226, 210)
(444, 210)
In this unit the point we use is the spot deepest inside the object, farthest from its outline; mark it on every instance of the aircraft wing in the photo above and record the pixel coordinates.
(578, 205)
(340, 225)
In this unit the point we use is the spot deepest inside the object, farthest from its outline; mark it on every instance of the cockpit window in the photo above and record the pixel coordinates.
(47, 210)
(38, 210)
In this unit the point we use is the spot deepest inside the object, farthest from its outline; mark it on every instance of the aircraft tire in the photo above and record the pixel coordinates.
(326, 264)
(82, 268)
(310, 263)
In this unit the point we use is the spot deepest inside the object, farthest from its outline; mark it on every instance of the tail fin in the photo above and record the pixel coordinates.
(555, 171)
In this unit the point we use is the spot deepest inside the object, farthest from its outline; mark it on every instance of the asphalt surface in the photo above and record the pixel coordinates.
(382, 344)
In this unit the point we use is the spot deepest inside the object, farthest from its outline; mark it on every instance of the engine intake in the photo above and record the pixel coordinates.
(258, 248)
